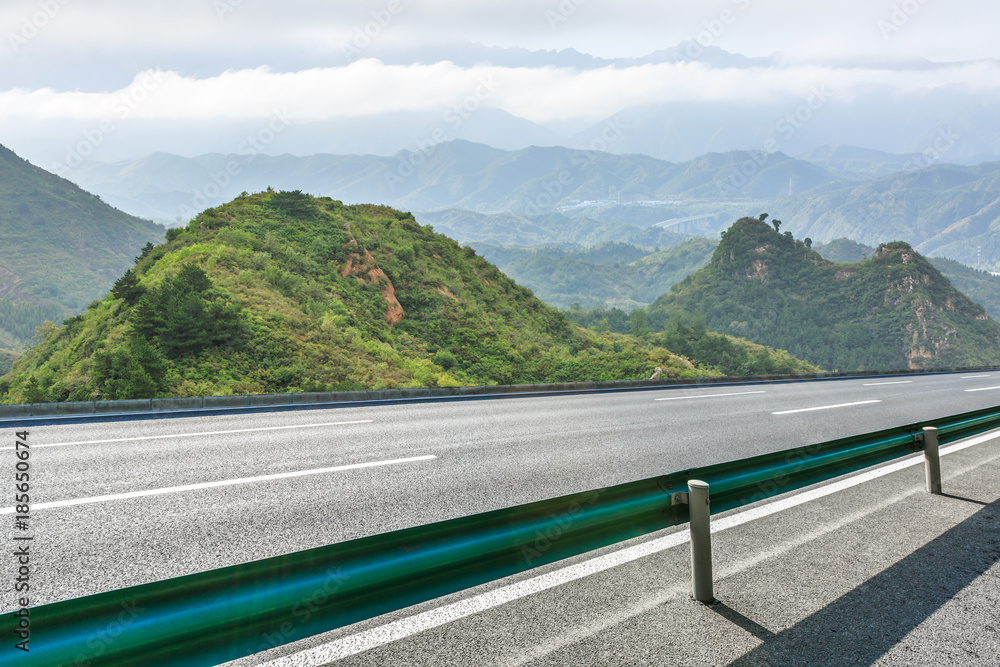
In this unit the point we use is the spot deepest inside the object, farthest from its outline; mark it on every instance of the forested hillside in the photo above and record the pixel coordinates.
(690, 337)
(980, 286)
(892, 311)
(61, 248)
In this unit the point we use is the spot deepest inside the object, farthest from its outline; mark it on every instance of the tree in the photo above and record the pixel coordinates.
(185, 315)
(762, 217)
(128, 289)
(136, 371)
(33, 393)
(777, 225)
(192, 278)
(146, 249)
(809, 242)
(639, 324)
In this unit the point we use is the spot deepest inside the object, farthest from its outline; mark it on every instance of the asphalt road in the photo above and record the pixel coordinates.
(435, 460)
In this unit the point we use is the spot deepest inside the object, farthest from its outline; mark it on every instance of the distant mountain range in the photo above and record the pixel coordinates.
(469, 54)
(946, 210)
(456, 174)
(477, 193)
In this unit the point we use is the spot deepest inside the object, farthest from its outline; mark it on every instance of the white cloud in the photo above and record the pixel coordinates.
(542, 95)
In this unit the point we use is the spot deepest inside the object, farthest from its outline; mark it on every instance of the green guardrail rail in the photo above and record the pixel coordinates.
(220, 615)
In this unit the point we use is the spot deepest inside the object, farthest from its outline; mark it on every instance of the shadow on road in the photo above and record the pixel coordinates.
(863, 625)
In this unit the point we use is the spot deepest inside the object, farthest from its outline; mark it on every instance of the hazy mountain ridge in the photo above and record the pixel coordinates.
(552, 229)
(455, 174)
(942, 209)
(469, 54)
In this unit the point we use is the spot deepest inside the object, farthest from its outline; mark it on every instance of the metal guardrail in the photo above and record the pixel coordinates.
(33, 413)
(220, 615)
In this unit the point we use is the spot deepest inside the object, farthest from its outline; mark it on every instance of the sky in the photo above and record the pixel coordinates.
(66, 66)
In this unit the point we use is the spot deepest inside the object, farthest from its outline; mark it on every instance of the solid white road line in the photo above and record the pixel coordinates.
(880, 384)
(983, 389)
(825, 407)
(412, 625)
(683, 398)
(213, 485)
(974, 377)
(195, 435)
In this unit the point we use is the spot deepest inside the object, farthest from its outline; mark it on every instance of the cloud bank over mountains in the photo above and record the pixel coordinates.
(672, 110)
(109, 80)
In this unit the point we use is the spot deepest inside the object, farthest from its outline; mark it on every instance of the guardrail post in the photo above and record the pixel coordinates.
(932, 460)
(701, 541)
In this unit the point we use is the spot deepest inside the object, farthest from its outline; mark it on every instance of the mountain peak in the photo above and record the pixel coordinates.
(894, 311)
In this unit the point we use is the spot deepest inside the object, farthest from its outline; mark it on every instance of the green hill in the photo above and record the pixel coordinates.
(892, 311)
(980, 286)
(60, 248)
(282, 292)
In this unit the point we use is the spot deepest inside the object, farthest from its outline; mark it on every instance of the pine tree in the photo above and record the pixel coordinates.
(128, 289)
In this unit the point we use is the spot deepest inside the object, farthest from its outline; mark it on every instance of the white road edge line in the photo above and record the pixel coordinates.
(825, 407)
(195, 435)
(880, 384)
(213, 485)
(983, 389)
(682, 398)
(974, 377)
(412, 625)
